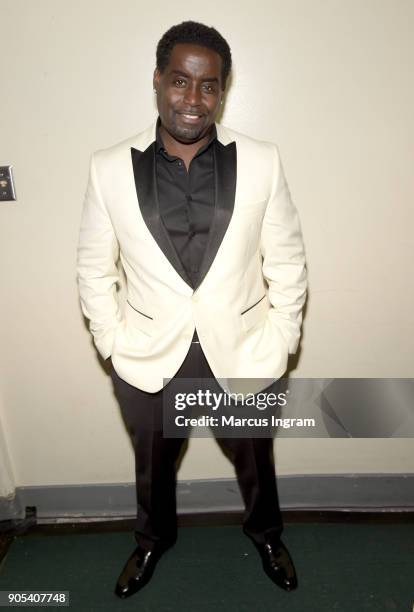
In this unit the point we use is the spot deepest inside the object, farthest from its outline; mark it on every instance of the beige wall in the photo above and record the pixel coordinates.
(330, 82)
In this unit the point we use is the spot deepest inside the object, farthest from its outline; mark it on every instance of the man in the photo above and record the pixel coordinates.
(210, 242)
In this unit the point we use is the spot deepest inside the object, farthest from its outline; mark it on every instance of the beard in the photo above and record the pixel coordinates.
(187, 133)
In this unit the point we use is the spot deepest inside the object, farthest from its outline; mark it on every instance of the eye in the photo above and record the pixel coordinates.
(209, 88)
(179, 82)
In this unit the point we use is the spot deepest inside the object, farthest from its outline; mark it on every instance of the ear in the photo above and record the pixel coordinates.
(156, 78)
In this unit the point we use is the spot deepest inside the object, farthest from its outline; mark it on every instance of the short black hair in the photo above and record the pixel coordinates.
(198, 34)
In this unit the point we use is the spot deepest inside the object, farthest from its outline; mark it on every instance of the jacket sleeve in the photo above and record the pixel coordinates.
(97, 272)
(283, 255)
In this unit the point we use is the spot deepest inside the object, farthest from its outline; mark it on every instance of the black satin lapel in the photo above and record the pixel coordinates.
(143, 163)
(225, 168)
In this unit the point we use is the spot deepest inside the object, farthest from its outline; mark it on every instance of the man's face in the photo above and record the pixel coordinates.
(189, 92)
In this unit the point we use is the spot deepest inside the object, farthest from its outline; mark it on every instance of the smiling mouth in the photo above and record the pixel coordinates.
(191, 117)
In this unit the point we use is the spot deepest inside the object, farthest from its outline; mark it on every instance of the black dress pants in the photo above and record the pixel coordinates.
(156, 456)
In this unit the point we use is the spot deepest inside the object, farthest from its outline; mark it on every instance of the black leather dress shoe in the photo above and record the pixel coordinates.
(138, 570)
(278, 565)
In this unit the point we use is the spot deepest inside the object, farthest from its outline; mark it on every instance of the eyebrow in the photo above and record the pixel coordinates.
(184, 74)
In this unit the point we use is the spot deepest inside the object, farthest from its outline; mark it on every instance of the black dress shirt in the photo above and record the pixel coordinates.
(186, 200)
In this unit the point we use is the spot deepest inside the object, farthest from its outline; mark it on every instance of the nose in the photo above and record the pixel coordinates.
(192, 96)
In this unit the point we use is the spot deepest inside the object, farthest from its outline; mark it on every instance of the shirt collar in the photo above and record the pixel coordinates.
(160, 145)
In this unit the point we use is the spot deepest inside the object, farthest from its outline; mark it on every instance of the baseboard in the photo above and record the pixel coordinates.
(358, 492)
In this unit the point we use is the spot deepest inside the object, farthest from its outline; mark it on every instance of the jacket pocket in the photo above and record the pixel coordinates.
(255, 313)
(138, 319)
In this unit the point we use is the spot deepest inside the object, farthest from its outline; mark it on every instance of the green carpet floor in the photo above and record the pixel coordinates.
(341, 567)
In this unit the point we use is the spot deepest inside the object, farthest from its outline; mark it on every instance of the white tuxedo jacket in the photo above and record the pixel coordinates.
(247, 307)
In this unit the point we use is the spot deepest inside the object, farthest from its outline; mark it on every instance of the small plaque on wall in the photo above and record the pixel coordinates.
(7, 191)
